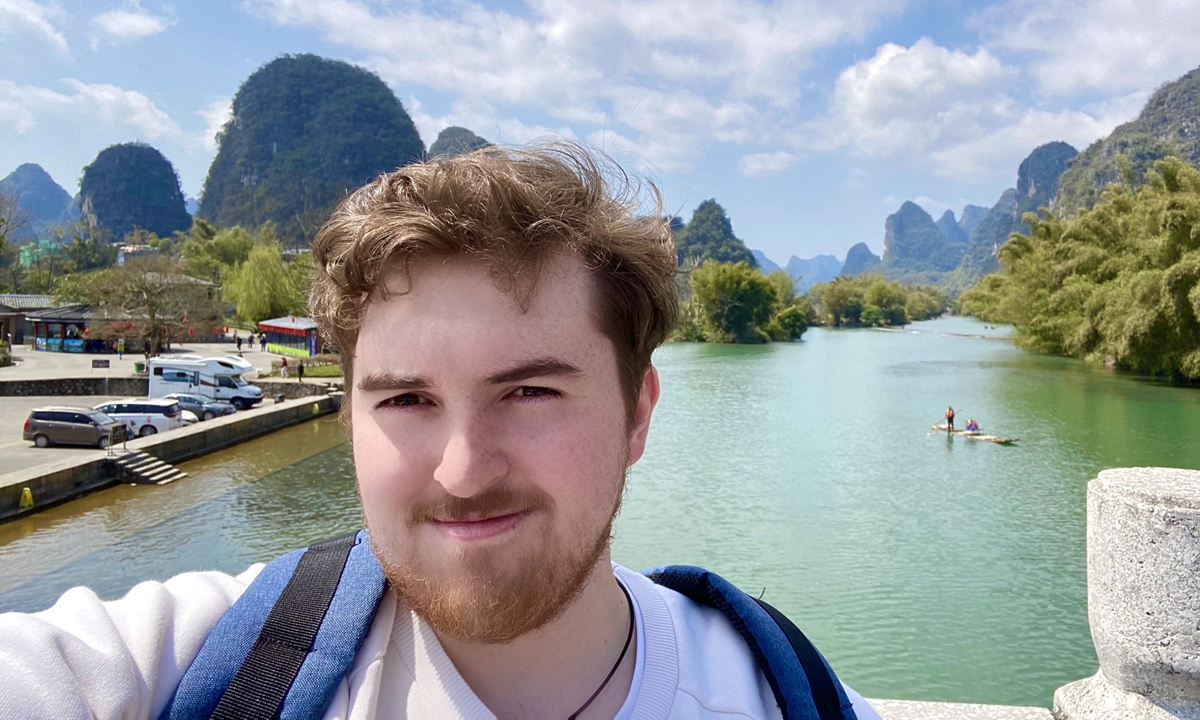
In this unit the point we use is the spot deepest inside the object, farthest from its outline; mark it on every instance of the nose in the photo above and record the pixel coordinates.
(471, 459)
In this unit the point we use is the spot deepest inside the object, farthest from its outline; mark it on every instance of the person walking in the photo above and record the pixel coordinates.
(120, 348)
(238, 340)
(949, 420)
(262, 342)
(283, 369)
(300, 371)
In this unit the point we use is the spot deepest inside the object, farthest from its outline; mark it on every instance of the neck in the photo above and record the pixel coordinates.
(552, 671)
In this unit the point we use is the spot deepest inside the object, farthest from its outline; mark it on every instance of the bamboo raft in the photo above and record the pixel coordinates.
(977, 435)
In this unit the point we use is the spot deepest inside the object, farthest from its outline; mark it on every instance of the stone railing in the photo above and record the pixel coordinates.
(1143, 546)
(1143, 557)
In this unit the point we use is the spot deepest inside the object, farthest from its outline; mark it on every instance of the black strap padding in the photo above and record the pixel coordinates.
(262, 682)
(824, 692)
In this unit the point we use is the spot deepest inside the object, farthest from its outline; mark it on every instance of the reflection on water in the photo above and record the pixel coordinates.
(923, 566)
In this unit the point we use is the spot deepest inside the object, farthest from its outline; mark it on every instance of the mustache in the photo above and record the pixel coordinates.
(490, 502)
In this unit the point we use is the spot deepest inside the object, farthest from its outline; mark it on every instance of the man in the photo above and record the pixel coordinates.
(299, 371)
(496, 315)
(949, 420)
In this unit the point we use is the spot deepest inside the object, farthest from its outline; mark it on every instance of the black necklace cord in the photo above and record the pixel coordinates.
(620, 658)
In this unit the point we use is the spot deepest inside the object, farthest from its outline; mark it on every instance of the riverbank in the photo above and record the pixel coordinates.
(32, 489)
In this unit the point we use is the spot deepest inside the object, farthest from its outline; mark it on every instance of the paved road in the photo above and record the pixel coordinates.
(34, 365)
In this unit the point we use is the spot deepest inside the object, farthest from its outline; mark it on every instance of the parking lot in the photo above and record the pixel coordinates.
(18, 454)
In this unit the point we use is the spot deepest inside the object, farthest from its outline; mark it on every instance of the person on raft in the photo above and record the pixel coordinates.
(972, 426)
(949, 419)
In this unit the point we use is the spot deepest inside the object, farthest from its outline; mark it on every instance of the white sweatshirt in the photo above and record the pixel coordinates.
(85, 659)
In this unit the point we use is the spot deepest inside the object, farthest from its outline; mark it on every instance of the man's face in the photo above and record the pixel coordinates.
(490, 445)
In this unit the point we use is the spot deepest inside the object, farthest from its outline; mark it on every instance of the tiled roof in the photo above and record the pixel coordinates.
(27, 302)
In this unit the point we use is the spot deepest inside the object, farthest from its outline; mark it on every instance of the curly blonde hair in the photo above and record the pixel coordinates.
(512, 208)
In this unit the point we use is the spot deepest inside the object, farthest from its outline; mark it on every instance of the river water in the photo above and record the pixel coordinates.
(924, 567)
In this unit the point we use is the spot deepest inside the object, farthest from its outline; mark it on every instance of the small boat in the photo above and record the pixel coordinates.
(977, 435)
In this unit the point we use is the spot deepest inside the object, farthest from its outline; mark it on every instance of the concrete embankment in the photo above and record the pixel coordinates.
(44, 485)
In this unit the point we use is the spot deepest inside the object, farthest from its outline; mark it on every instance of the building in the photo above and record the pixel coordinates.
(291, 335)
(66, 329)
(13, 309)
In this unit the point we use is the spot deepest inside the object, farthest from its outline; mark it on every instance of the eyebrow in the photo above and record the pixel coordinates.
(539, 367)
(376, 382)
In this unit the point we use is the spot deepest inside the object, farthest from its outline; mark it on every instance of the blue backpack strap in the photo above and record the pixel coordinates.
(803, 682)
(284, 646)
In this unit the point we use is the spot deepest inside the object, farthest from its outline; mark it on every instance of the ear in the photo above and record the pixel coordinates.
(647, 399)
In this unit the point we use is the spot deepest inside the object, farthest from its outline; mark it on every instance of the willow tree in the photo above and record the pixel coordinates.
(1118, 284)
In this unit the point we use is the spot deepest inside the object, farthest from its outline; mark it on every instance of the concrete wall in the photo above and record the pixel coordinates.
(99, 385)
(55, 482)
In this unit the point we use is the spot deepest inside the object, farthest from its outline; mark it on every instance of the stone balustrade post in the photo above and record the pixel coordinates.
(1143, 552)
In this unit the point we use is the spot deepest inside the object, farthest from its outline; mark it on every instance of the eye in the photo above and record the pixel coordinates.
(531, 392)
(405, 400)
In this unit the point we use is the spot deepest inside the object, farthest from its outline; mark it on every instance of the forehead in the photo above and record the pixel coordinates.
(452, 311)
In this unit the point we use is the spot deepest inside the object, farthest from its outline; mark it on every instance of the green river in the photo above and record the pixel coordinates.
(924, 567)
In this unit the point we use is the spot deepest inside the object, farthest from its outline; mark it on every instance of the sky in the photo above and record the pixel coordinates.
(809, 121)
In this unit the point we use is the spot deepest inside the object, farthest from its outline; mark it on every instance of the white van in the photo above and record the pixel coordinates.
(147, 416)
(219, 378)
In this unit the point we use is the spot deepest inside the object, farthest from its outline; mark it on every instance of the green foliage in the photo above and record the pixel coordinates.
(709, 236)
(210, 252)
(148, 298)
(1118, 284)
(305, 130)
(735, 303)
(1166, 126)
(264, 286)
(133, 186)
(871, 300)
(456, 140)
(86, 249)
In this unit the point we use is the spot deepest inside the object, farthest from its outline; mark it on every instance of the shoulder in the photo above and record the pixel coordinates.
(696, 651)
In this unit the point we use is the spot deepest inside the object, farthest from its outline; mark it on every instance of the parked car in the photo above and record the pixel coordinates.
(203, 408)
(147, 416)
(71, 426)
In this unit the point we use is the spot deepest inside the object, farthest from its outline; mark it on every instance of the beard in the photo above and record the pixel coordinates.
(498, 594)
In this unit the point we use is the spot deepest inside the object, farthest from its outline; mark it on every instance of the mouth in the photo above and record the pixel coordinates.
(479, 528)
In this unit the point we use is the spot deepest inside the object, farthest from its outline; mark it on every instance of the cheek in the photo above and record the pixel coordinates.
(577, 460)
(388, 466)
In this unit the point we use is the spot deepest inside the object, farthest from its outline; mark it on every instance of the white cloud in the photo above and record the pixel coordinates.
(23, 106)
(15, 14)
(130, 22)
(1107, 45)
(669, 76)
(765, 164)
(215, 115)
(948, 111)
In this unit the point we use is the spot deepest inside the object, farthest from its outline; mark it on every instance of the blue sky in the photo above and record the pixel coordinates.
(809, 120)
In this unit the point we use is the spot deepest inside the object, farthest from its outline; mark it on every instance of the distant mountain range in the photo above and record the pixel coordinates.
(805, 272)
(42, 201)
(954, 254)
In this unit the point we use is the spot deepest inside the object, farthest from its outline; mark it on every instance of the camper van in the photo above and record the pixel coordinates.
(219, 378)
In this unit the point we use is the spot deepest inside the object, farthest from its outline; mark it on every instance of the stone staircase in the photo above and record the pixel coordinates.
(145, 469)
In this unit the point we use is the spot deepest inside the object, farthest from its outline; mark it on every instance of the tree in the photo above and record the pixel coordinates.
(264, 286)
(85, 248)
(1118, 284)
(148, 298)
(733, 300)
(210, 253)
(870, 300)
(709, 236)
